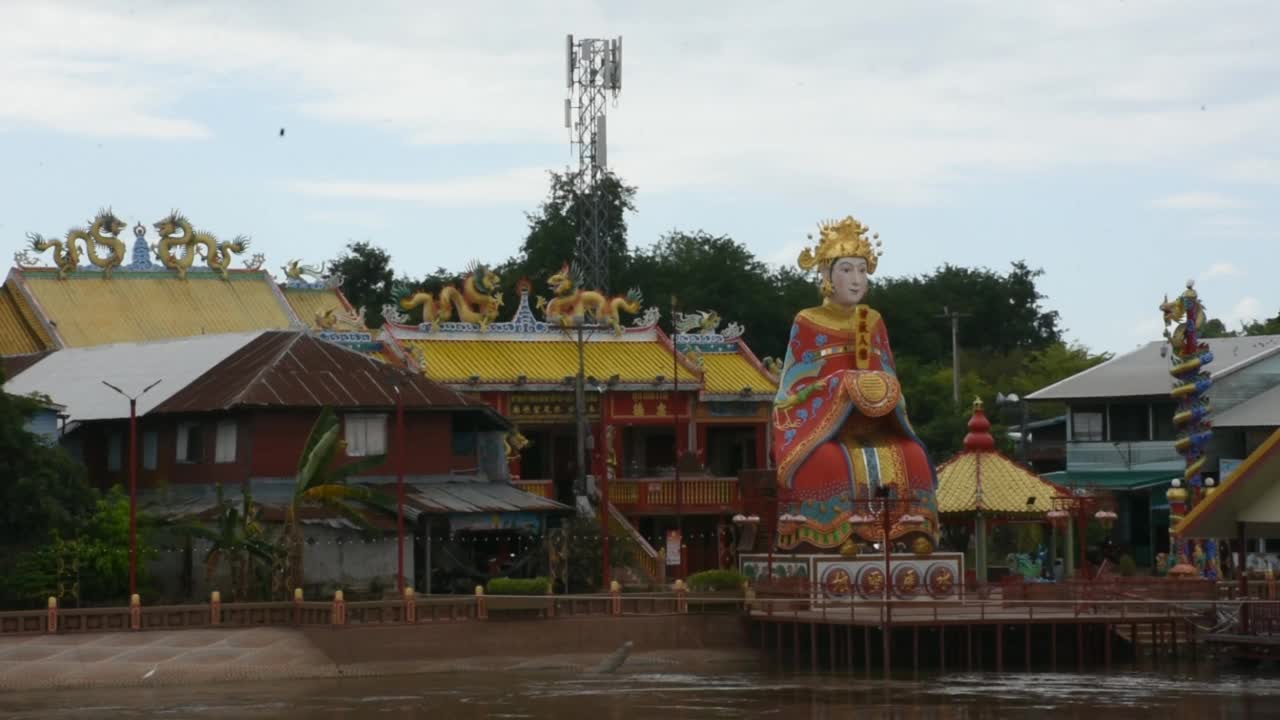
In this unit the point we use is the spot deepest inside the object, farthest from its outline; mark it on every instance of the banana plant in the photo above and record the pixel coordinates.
(322, 482)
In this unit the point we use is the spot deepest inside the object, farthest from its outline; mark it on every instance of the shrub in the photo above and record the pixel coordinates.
(716, 580)
(518, 586)
(1128, 568)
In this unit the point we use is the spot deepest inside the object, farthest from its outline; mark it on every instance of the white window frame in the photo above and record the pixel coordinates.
(150, 449)
(115, 451)
(365, 434)
(182, 445)
(224, 446)
(1076, 426)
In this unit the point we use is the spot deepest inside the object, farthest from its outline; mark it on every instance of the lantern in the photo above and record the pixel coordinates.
(1059, 518)
(1106, 518)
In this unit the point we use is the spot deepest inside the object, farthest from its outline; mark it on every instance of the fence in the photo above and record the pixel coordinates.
(338, 612)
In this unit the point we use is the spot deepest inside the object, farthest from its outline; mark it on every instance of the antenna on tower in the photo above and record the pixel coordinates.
(593, 69)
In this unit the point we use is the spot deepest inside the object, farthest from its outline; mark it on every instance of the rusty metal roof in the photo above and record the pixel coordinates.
(295, 369)
(476, 497)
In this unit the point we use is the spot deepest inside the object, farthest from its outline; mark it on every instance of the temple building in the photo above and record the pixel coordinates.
(698, 402)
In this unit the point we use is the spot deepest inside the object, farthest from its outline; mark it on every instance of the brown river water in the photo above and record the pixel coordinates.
(1168, 695)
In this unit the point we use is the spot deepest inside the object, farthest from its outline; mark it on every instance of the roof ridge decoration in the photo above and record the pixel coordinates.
(296, 274)
(478, 301)
(175, 252)
(700, 331)
(570, 305)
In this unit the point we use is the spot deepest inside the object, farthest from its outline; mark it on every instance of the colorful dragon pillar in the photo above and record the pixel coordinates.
(1189, 356)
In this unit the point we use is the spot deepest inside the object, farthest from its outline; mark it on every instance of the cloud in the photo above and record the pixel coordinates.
(522, 186)
(1198, 201)
(1223, 270)
(1246, 310)
(761, 97)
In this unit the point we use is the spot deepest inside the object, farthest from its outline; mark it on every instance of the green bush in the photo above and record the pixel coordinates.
(1128, 568)
(716, 580)
(518, 586)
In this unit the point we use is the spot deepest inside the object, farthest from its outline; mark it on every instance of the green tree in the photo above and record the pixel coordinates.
(367, 279)
(42, 489)
(91, 566)
(1215, 328)
(1270, 326)
(238, 540)
(553, 232)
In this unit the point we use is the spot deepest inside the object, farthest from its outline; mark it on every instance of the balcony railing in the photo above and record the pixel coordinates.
(1149, 455)
(658, 495)
(541, 488)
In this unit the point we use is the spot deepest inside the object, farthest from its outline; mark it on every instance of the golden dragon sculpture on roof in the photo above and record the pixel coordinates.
(176, 232)
(102, 232)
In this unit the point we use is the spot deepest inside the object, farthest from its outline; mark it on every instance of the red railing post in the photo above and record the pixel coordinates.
(615, 598)
(135, 612)
(215, 608)
(482, 611)
(338, 614)
(410, 613)
(52, 625)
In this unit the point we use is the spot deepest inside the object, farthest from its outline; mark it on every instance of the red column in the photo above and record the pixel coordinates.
(602, 453)
(133, 496)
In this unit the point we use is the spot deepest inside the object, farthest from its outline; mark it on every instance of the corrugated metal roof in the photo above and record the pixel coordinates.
(1260, 411)
(11, 365)
(88, 309)
(542, 361)
(477, 497)
(73, 377)
(1145, 373)
(19, 333)
(296, 369)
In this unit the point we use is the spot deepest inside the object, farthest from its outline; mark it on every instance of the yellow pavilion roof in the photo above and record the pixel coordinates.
(728, 373)
(88, 309)
(20, 330)
(549, 361)
(995, 484)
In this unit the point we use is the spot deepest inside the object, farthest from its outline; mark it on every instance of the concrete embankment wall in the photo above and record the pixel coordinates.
(528, 638)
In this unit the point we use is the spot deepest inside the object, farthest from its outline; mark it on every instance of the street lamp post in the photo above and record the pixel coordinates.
(400, 491)
(885, 510)
(133, 482)
(1013, 399)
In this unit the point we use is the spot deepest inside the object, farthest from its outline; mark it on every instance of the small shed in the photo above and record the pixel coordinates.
(981, 484)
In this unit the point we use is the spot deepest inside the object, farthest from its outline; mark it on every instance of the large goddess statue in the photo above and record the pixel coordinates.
(840, 427)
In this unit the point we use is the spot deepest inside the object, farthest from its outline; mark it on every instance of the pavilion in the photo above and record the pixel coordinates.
(980, 484)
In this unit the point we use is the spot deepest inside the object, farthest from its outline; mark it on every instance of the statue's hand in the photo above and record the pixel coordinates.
(875, 393)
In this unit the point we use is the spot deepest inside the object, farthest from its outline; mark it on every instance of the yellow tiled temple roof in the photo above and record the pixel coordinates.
(499, 361)
(89, 309)
(728, 373)
(1004, 486)
(20, 331)
(307, 303)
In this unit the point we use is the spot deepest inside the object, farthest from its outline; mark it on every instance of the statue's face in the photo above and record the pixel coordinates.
(848, 281)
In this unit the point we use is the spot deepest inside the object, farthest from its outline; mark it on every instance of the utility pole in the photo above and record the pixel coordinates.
(955, 350)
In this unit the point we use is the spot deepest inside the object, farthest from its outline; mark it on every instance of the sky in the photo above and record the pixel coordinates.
(1122, 147)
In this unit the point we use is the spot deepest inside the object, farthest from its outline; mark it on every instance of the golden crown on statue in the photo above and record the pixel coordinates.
(842, 238)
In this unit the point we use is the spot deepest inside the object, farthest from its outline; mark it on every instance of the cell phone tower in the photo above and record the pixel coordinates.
(593, 70)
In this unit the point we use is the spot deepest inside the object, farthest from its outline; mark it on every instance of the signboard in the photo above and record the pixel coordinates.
(549, 405)
(673, 547)
(494, 521)
(933, 578)
(648, 404)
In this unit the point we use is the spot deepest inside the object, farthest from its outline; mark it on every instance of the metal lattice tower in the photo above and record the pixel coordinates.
(593, 69)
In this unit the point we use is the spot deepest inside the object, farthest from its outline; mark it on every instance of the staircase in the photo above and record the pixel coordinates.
(646, 557)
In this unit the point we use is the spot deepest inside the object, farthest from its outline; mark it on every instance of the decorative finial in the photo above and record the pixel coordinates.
(139, 230)
(977, 403)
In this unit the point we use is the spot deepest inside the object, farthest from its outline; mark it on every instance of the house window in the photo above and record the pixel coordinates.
(1129, 423)
(224, 449)
(1162, 415)
(150, 447)
(1087, 426)
(115, 448)
(366, 435)
(190, 445)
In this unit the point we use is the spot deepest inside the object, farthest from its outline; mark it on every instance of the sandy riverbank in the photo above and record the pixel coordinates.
(199, 656)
